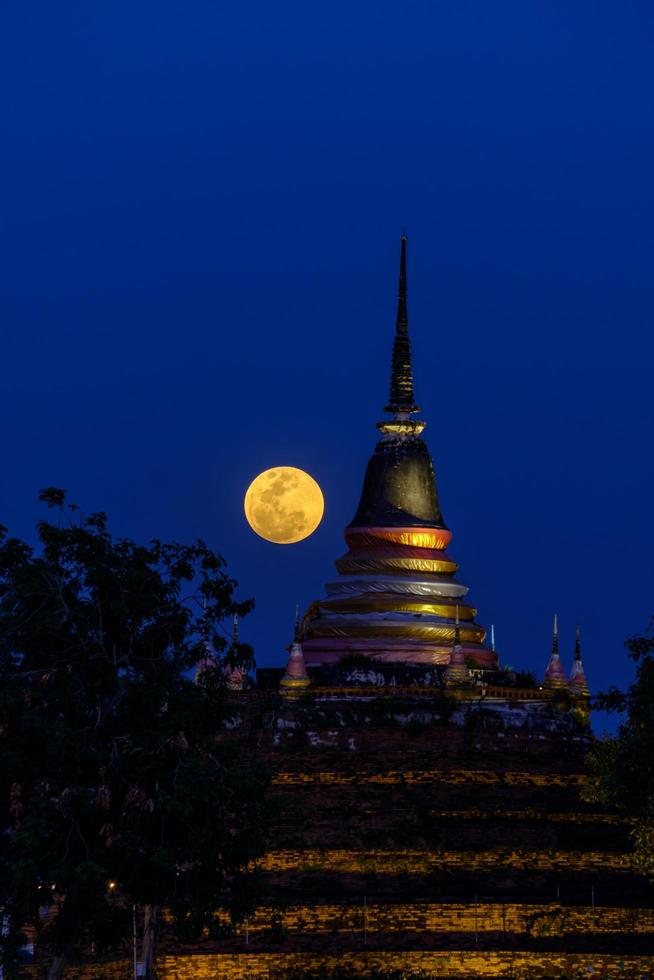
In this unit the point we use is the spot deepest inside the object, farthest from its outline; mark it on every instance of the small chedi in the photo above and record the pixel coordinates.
(429, 820)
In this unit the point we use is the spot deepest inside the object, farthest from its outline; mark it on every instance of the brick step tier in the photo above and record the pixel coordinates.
(446, 965)
(573, 887)
(277, 939)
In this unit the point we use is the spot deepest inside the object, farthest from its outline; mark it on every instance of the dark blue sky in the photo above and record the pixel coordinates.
(201, 209)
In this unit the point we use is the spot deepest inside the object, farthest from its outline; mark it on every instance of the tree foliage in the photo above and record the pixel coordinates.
(622, 767)
(116, 778)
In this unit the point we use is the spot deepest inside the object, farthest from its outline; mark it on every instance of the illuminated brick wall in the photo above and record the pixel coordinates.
(420, 824)
(434, 964)
(454, 777)
(407, 862)
(450, 964)
(516, 918)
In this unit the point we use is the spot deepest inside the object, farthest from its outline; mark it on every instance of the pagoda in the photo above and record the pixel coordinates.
(578, 683)
(555, 674)
(396, 596)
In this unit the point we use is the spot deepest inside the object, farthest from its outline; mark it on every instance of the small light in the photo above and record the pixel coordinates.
(112, 885)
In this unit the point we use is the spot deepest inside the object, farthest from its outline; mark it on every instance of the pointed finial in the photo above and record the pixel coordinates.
(493, 637)
(402, 321)
(555, 635)
(235, 630)
(401, 397)
(577, 643)
(296, 632)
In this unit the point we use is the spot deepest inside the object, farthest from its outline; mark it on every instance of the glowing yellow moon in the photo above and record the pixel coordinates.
(284, 505)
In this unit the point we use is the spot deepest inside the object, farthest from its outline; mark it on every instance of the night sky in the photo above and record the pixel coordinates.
(200, 221)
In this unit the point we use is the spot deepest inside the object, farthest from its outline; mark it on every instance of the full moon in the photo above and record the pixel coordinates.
(284, 505)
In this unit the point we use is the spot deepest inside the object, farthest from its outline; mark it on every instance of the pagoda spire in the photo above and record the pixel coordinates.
(578, 682)
(457, 672)
(555, 675)
(234, 675)
(296, 679)
(401, 398)
(207, 661)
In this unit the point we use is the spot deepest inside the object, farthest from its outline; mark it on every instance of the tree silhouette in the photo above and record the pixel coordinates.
(623, 766)
(118, 785)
